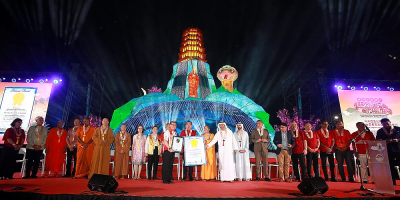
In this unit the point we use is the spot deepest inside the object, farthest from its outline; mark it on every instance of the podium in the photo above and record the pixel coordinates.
(379, 161)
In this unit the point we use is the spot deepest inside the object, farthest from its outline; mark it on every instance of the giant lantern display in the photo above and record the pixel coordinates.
(191, 95)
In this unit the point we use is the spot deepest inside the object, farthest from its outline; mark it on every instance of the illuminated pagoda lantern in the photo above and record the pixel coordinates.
(191, 95)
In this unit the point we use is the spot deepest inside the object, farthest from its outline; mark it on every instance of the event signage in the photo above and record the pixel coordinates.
(380, 166)
(195, 152)
(369, 107)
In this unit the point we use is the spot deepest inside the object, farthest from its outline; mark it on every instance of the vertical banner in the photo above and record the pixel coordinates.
(369, 107)
(380, 166)
(16, 102)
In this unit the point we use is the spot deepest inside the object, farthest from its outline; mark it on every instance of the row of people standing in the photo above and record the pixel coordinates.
(298, 146)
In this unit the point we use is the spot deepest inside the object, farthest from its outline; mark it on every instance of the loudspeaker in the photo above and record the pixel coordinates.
(102, 183)
(311, 186)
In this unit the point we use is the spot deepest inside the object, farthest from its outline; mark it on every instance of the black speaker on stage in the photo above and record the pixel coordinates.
(102, 183)
(311, 186)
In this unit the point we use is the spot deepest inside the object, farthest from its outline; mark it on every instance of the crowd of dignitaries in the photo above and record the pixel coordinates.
(89, 147)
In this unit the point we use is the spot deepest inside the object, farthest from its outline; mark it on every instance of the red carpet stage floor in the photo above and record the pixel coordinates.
(67, 188)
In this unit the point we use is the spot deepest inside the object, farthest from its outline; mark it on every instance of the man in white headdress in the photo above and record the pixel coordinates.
(227, 146)
(243, 171)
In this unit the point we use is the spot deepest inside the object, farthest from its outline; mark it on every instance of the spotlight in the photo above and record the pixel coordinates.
(46, 79)
(28, 80)
(41, 81)
(335, 86)
(19, 79)
(55, 81)
(391, 89)
(353, 88)
(361, 86)
(60, 80)
(365, 88)
(378, 89)
(336, 117)
(13, 80)
(339, 87)
(31, 79)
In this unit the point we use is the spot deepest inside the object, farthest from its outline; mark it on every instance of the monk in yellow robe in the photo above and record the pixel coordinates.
(85, 149)
(209, 171)
(122, 146)
(55, 149)
(103, 137)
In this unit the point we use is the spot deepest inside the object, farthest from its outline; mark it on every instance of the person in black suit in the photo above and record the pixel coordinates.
(284, 142)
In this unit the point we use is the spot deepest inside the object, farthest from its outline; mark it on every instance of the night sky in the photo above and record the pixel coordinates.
(136, 43)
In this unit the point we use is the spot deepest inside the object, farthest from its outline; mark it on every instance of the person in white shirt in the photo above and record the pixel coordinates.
(243, 171)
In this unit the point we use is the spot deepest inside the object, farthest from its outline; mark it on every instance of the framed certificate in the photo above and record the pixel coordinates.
(195, 151)
(177, 144)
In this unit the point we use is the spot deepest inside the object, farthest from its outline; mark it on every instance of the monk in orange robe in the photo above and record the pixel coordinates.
(103, 137)
(194, 82)
(85, 149)
(55, 149)
(122, 146)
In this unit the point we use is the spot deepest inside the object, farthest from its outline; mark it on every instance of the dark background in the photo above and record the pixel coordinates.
(134, 44)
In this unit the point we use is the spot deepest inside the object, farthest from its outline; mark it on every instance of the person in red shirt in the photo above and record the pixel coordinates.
(363, 134)
(327, 142)
(187, 133)
(299, 151)
(342, 144)
(312, 150)
(14, 138)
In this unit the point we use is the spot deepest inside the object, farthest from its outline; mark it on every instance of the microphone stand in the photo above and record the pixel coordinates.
(362, 187)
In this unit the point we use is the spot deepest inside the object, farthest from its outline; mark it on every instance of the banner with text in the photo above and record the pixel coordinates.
(369, 107)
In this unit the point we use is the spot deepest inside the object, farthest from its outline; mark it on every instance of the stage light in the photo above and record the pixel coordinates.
(46, 79)
(391, 89)
(60, 80)
(335, 86)
(19, 79)
(361, 86)
(378, 89)
(348, 86)
(55, 81)
(28, 80)
(31, 79)
(365, 88)
(336, 117)
(13, 80)
(339, 87)
(353, 88)
(4, 78)
(41, 81)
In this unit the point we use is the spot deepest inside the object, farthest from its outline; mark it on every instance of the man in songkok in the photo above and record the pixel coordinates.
(72, 141)
(391, 133)
(361, 136)
(122, 146)
(243, 171)
(227, 146)
(284, 142)
(343, 153)
(187, 133)
(55, 149)
(103, 137)
(260, 137)
(36, 139)
(85, 149)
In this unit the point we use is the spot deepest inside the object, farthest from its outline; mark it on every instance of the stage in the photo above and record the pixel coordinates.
(67, 188)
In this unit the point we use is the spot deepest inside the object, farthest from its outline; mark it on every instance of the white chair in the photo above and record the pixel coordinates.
(129, 163)
(22, 151)
(276, 164)
(217, 161)
(43, 161)
(177, 155)
(112, 152)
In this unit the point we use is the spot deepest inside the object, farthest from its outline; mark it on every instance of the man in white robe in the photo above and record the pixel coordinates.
(243, 171)
(227, 146)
